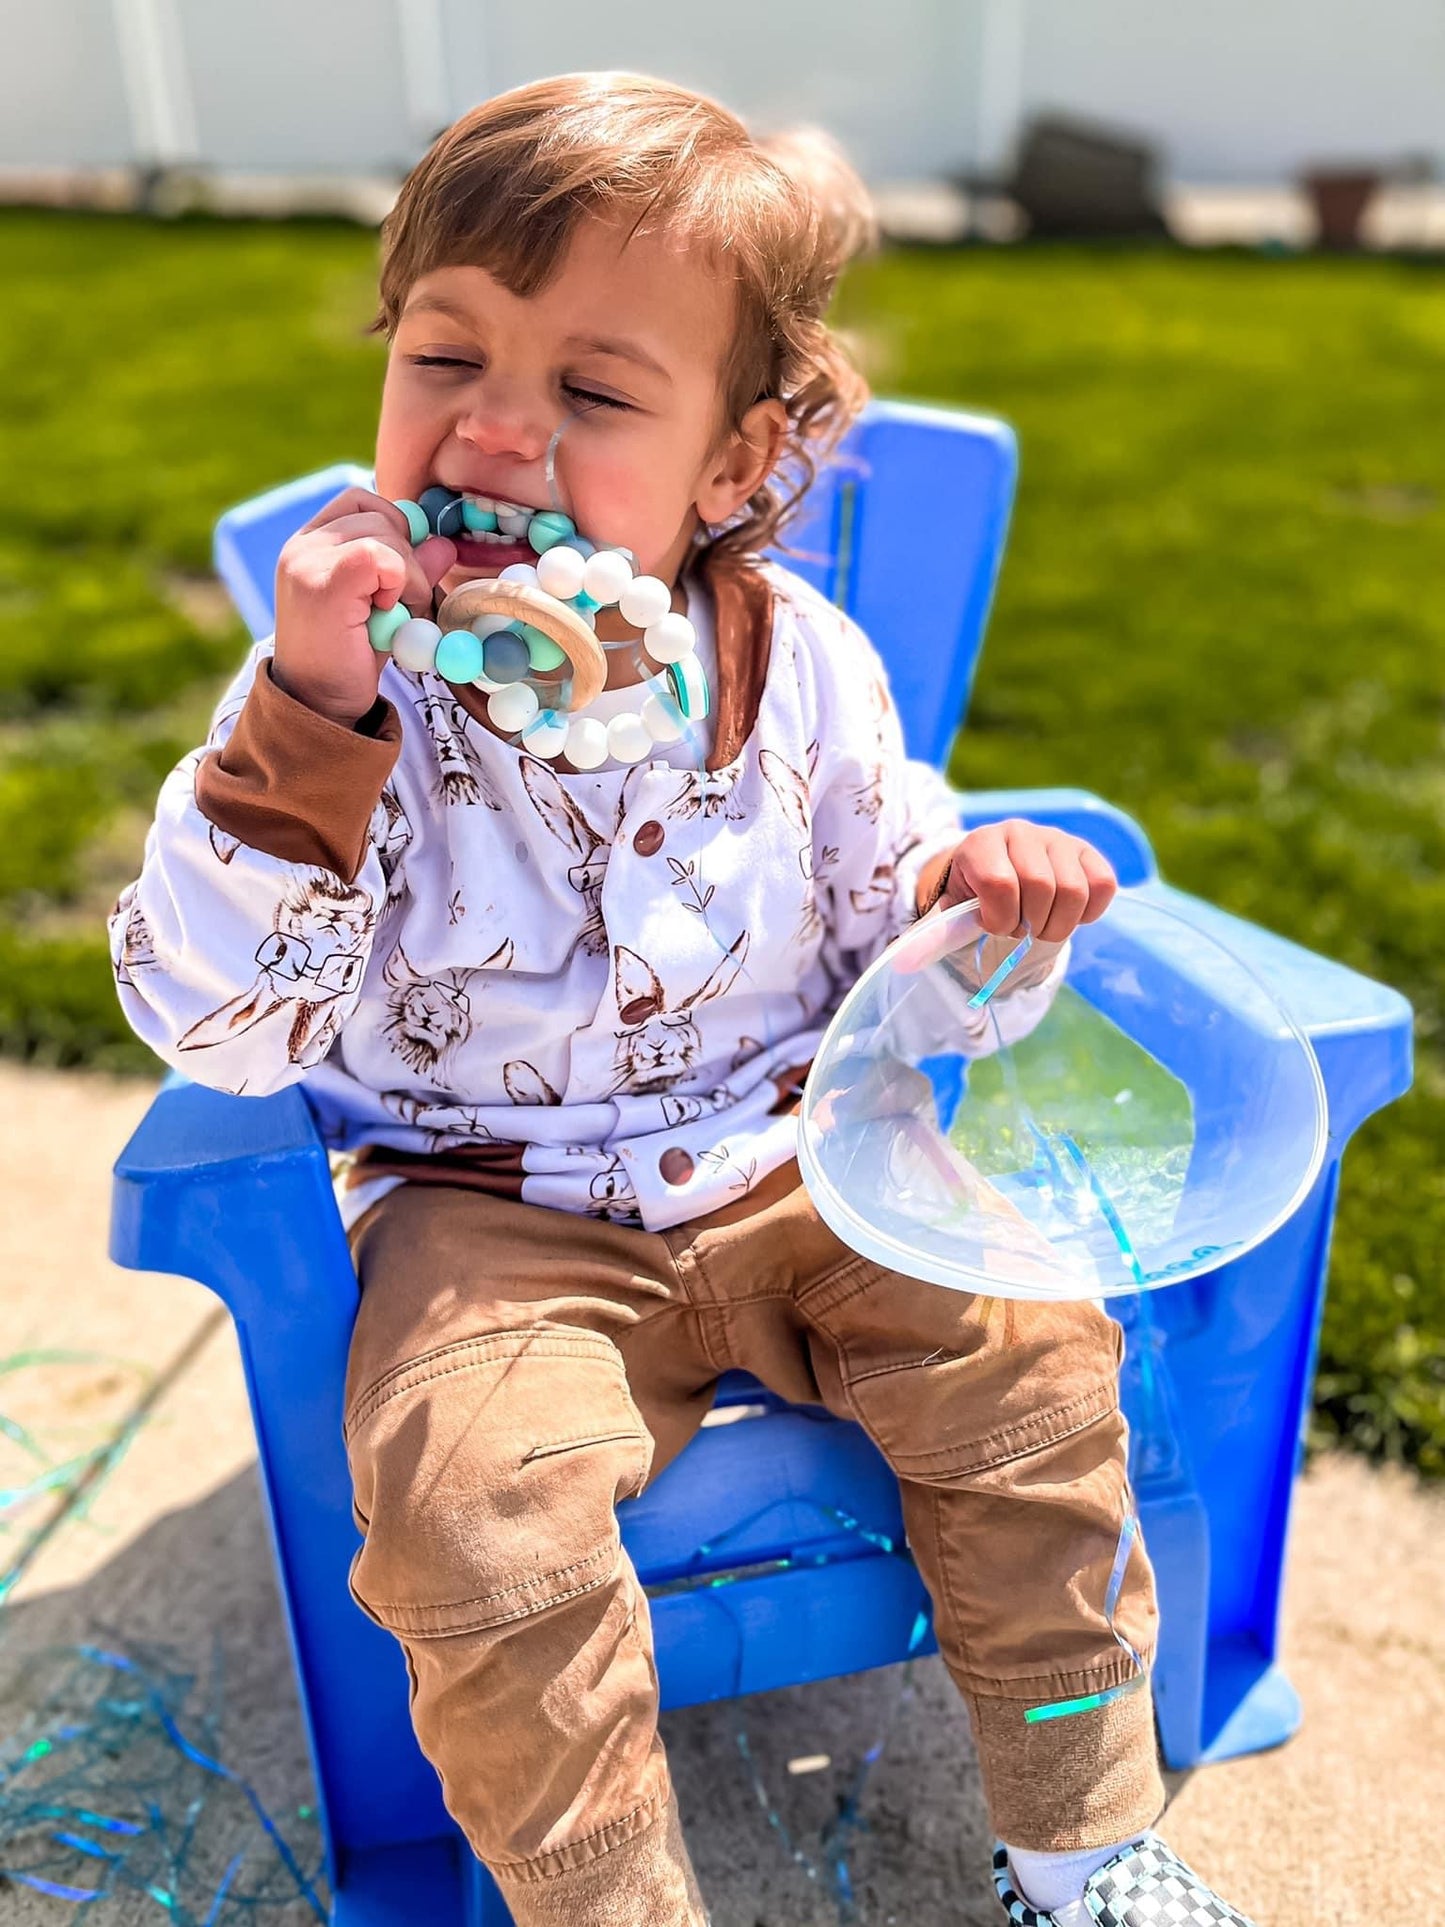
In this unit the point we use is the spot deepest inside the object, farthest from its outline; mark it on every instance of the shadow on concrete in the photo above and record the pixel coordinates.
(196, 1588)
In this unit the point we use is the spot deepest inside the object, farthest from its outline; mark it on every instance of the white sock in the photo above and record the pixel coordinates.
(1050, 1882)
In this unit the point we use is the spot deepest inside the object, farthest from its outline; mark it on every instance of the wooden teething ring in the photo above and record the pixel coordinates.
(524, 602)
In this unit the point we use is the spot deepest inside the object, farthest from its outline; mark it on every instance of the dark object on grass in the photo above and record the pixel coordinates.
(1076, 179)
(1341, 197)
(1341, 194)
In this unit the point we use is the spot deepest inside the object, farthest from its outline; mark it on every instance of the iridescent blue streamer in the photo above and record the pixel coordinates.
(1006, 969)
(74, 1751)
(1106, 1206)
(1077, 1178)
(56, 1889)
(208, 1765)
(82, 1845)
(213, 1912)
(836, 1840)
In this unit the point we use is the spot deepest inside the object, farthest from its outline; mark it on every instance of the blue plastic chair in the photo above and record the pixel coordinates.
(797, 1509)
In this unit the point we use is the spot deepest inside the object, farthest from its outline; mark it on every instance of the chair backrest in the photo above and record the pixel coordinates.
(904, 529)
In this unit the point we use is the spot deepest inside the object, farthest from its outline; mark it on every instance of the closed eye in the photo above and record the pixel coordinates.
(590, 398)
(587, 397)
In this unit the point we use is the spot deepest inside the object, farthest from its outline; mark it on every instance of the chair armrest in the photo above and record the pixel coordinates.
(1362, 1031)
(1116, 835)
(235, 1192)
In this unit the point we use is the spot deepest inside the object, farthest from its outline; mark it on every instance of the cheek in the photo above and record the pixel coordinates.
(407, 431)
(632, 499)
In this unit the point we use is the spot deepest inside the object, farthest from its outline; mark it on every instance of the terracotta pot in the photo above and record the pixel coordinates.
(1340, 197)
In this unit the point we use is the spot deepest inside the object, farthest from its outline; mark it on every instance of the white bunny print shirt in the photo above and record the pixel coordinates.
(593, 990)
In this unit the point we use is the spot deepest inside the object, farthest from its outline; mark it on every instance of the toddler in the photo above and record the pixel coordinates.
(555, 1020)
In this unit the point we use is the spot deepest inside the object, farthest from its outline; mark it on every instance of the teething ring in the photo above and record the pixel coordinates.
(523, 602)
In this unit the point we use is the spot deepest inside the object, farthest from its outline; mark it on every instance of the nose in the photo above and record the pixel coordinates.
(507, 417)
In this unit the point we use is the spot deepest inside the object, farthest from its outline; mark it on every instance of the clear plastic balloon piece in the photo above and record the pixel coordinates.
(1008, 1118)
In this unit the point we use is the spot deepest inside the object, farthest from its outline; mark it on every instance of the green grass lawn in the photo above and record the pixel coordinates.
(1222, 609)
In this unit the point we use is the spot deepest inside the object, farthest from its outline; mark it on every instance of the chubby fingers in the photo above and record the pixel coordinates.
(403, 573)
(1028, 877)
(358, 501)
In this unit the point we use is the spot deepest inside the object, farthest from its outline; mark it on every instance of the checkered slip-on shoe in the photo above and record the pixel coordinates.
(1144, 1886)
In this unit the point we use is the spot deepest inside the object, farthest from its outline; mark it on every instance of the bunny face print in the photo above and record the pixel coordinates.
(312, 961)
(660, 1044)
(461, 775)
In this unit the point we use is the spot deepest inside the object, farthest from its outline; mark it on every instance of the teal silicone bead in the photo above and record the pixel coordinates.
(459, 656)
(477, 521)
(549, 527)
(689, 688)
(382, 625)
(417, 525)
(542, 652)
(584, 604)
(505, 657)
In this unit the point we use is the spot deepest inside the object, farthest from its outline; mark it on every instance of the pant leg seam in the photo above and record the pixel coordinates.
(420, 1621)
(1117, 1671)
(468, 1353)
(555, 1865)
(1034, 1434)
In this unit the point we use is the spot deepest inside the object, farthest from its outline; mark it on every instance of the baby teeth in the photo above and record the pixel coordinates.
(513, 521)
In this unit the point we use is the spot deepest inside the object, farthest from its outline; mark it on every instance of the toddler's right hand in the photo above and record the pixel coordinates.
(354, 554)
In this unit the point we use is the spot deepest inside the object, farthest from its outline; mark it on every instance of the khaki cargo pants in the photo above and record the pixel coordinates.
(516, 1371)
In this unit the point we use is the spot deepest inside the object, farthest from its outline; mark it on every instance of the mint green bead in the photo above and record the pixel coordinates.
(418, 526)
(382, 625)
(547, 528)
(459, 656)
(477, 521)
(542, 652)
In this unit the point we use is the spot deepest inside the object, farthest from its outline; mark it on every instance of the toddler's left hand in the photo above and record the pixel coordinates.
(1025, 875)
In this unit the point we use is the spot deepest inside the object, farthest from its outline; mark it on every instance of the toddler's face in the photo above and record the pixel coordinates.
(627, 344)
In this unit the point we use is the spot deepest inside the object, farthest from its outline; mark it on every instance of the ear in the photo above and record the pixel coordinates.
(639, 994)
(742, 461)
(556, 808)
(723, 977)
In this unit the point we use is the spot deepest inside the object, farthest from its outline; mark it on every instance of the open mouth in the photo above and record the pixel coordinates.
(492, 553)
(489, 551)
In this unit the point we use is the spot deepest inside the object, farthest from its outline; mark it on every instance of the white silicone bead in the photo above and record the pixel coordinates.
(670, 639)
(519, 572)
(487, 687)
(484, 626)
(627, 740)
(586, 743)
(661, 720)
(560, 571)
(414, 646)
(546, 734)
(513, 707)
(605, 575)
(644, 601)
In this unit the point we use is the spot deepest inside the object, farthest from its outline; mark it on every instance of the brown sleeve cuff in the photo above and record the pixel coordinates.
(932, 882)
(296, 786)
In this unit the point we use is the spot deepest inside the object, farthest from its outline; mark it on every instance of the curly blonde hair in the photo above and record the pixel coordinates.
(506, 185)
